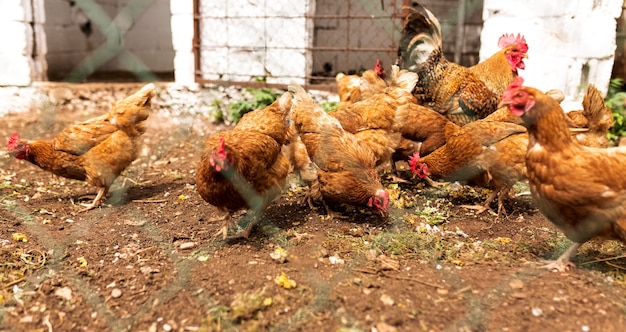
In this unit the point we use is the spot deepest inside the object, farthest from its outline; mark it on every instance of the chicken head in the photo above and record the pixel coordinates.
(221, 158)
(517, 52)
(518, 101)
(17, 148)
(418, 168)
(379, 202)
(379, 70)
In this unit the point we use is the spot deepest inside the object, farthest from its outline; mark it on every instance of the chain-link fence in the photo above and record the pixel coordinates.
(149, 261)
(316, 40)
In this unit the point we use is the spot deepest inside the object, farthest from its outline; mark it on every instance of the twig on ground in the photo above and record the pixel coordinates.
(150, 200)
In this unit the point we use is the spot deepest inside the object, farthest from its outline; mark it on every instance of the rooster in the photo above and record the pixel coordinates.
(580, 189)
(245, 167)
(462, 94)
(345, 169)
(97, 150)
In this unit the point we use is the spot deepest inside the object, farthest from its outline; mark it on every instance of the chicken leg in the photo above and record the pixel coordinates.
(95, 202)
(563, 263)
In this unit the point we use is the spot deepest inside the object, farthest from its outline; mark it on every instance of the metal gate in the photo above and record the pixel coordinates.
(347, 36)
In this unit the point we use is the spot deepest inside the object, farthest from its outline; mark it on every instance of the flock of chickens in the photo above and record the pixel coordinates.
(449, 122)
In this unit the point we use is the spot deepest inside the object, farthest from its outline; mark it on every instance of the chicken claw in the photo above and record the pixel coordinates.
(231, 230)
(479, 208)
(95, 202)
(558, 266)
(563, 263)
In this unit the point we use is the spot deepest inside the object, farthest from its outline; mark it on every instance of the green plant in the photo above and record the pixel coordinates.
(329, 105)
(215, 112)
(615, 100)
(262, 97)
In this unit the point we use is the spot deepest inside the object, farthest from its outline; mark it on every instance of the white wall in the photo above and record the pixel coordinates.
(23, 60)
(182, 40)
(570, 43)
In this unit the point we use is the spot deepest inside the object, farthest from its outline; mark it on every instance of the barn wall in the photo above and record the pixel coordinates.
(570, 45)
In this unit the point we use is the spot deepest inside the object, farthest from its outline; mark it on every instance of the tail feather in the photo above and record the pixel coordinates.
(595, 110)
(403, 79)
(421, 35)
(307, 115)
(133, 109)
(402, 114)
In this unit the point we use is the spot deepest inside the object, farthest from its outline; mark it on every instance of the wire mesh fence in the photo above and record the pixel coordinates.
(149, 261)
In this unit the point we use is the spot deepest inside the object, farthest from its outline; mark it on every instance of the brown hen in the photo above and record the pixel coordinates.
(580, 189)
(593, 121)
(345, 168)
(96, 151)
(489, 153)
(245, 167)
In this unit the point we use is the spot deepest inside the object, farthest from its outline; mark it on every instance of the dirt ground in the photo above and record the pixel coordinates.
(149, 261)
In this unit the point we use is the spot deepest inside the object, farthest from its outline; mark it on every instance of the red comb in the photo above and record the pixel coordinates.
(13, 141)
(414, 159)
(222, 145)
(380, 71)
(511, 39)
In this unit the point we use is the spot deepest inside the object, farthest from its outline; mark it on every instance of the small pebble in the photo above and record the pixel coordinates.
(187, 245)
(116, 292)
(516, 284)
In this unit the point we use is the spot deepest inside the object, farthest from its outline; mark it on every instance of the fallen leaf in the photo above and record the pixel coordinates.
(279, 255)
(19, 237)
(283, 281)
(503, 239)
(82, 261)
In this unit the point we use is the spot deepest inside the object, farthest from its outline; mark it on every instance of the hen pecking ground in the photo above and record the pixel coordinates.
(148, 260)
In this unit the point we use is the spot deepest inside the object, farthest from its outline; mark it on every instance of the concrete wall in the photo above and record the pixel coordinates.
(182, 40)
(571, 43)
(23, 59)
(149, 37)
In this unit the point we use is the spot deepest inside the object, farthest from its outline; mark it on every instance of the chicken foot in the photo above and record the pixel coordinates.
(563, 263)
(95, 202)
(332, 214)
(230, 226)
(485, 206)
